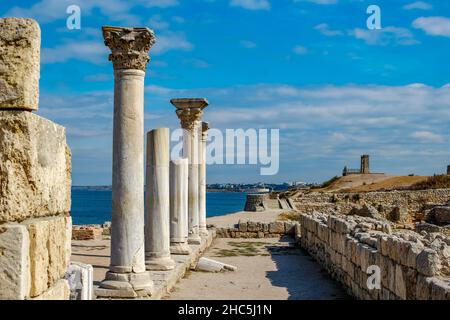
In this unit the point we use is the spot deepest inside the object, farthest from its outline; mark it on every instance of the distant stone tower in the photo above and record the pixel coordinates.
(448, 170)
(365, 167)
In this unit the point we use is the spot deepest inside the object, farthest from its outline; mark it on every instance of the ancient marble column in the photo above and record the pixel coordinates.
(129, 47)
(157, 228)
(202, 179)
(179, 207)
(190, 112)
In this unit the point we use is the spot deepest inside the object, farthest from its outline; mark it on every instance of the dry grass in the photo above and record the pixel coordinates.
(392, 183)
(289, 216)
(435, 182)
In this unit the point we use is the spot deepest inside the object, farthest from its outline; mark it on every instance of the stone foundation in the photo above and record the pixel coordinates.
(35, 176)
(87, 233)
(412, 266)
(250, 229)
(413, 201)
(164, 281)
(35, 257)
(265, 201)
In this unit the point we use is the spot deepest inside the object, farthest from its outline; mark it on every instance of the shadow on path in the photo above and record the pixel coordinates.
(304, 278)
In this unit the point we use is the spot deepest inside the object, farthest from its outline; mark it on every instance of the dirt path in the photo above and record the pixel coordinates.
(267, 269)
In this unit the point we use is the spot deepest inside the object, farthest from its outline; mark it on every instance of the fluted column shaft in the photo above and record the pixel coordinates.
(190, 112)
(127, 237)
(179, 229)
(202, 179)
(157, 229)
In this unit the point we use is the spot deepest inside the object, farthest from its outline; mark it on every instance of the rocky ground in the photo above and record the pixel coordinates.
(267, 269)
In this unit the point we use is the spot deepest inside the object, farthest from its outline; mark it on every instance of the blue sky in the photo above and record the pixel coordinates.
(311, 68)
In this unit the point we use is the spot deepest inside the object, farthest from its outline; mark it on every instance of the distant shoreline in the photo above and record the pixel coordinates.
(109, 188)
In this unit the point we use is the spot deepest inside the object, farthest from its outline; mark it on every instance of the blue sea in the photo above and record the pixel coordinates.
(94, 206)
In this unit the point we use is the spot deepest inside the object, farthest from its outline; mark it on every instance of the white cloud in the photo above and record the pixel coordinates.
(385, 36)
(300, 50)
(251, 4)
(325, 30)
(197, 63)
(46, 11)
(400, 126)
(433, 26)
(427, 136)
(248, 44)
(157, 22)
(171, 41)
(418, 5)
(159, 3)
(89, 51)
(322, 2)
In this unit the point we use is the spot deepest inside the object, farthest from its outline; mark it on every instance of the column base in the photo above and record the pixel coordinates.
(125, 285)
(203, 232)
(194, 239)
(180, 249)
(159, 264)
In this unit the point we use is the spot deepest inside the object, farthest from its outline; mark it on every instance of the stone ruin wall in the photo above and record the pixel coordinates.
(414, 202)
(258, 230)
(35, 176)
(412, 266)
(265, 202)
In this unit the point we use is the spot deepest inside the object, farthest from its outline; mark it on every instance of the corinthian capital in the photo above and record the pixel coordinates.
(129, 46)
(190, 118)
(205, 128)
(190, 111)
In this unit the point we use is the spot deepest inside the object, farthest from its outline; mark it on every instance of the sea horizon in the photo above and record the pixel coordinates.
(94, 206)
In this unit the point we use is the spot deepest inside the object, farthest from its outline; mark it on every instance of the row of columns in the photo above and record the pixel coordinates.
(175, 198)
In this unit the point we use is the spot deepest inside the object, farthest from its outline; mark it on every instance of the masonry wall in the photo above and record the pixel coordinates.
(413, 201)
(258, 230)
(412, 266)
(35, 176)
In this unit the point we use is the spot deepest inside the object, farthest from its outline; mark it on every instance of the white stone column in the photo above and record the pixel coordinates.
(190, 112)
(157, 228)
(202, 179)
(179, 207)
(129, 47)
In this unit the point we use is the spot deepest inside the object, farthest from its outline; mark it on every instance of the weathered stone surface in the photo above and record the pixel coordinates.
(367, 211)
(256, 202)
(428, 262)
(242, 225)
(277, 227)
(441, 215)
(59, 291)
(399, 214)
(48, 252)
(14, 267)
(412, 266)
(35, 167)
(80, 278)
(20, 41)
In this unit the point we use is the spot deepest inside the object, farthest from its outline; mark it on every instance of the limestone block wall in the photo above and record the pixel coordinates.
(35, 222)
(20, 41)
(413, 201)
(412, 266)
(258, 230)
(87, 233)
(35, 176)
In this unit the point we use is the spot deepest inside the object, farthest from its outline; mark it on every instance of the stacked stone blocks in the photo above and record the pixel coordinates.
(258, 230)
(412, 266)
(35, 169)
